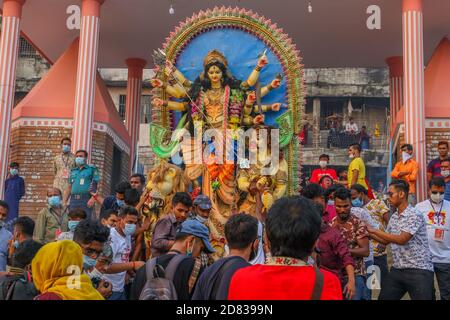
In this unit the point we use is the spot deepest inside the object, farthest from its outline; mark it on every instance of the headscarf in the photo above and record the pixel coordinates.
(58, 268)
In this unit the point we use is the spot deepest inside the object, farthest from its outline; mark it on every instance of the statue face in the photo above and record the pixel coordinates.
(215, 74)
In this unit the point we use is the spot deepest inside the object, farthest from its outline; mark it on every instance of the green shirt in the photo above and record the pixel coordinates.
(50, 224)
(82, 179)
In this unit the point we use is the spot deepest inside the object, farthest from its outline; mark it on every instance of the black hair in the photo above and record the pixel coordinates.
(14, 164)
(25, 253)
(400, 185)
(332, 189)
(26, 226)
(121, 187)
(359, 188)
(183, 198)
(241, 230)
(181, 236)
(88, 231)
(77, 213)
(105, 214)
(339, 171)
(127, 210)
(443, 143)
(140, 176)
(343, 194)
(438, 182)
(312, 190)
(66, 139)
(324, 156)
(356, 146)
(293, 225)
(4, 204)
(86, 154)
(407, 146)
(325, 177)
(131, 197)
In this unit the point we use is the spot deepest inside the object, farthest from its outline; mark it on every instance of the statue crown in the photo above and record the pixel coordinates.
(213, 56)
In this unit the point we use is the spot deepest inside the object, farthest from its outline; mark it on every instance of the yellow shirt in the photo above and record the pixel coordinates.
(357, 164)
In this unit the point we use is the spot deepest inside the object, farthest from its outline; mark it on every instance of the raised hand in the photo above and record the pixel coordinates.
(156, 83)
(251, 98)
(263, 61)
(275, 83)
(259, 119)
(157, 102)
(276, 107)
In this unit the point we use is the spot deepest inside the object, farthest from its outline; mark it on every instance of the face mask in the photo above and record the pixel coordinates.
(54, 201)
(66, 148)
(357, 202)
(16, 244)
(88, 262)
(405, 156)
(95, 274)
(79, 161)
(330, 202)
(445, 173)
(323, 164)
(120, 203)
(437, 198)
(72, 225)
(201, 219)
(129, 229)
(351, 156)
(14, 172)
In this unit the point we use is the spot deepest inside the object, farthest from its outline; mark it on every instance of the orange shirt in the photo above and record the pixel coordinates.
(410, 166)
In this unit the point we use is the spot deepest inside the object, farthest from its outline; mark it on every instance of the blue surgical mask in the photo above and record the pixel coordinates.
(72, 225)
(54, 201)
(79, 161)
(16, 244)
(88, 262)
(357, 202)
(66, 148)
(14, 172)
(201, 219)
(120, 203)
(330, 202)
(129, 229)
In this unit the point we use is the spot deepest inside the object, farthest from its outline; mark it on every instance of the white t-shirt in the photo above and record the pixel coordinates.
(351, 127)
(438, 229)
(260, 256)
(121, 247)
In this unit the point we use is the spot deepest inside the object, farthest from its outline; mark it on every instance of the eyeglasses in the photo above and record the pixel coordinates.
(437, 192)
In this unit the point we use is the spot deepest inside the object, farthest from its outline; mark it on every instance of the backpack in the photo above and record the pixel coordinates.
(17, 287)
(161, 288)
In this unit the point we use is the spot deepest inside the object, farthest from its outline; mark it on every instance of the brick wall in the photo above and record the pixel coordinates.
(34, 149)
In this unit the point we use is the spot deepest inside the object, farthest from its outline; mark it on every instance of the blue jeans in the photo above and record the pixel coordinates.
(80, 201)
(360, 285)
(118, 296)
(367, 291)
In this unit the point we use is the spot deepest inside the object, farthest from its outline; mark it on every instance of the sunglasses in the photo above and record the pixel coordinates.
(437, 192)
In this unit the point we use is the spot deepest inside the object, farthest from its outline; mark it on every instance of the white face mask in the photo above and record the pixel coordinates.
(445, 173)
(323, 164)
(437, 198)
(406, 156)
(351, 156)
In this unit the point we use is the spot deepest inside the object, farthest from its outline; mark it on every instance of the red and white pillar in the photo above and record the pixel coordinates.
(86, 75)
(133, 104)
(9, 50)
(413, 66)
(395, 87)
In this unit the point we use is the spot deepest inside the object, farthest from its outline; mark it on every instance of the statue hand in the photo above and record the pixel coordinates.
(251, 98)
(259, 119)
(263, 61)
(276, 107)
(169, 69)
(156, 83)
(275, 83)
(157, 102)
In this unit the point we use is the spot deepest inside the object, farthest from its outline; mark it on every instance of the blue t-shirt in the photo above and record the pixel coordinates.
(5, 236)
(447, 191)
(84, 180)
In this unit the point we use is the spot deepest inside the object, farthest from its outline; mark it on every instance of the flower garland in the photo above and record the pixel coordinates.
(431, 215)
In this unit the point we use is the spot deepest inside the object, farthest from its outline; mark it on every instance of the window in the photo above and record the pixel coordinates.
(146, 109)
(122, 104)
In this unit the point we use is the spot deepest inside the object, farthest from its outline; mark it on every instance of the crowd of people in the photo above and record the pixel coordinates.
(329, 243)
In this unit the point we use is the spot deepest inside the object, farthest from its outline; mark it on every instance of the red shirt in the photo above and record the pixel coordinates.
(275, 282)
(319, 173)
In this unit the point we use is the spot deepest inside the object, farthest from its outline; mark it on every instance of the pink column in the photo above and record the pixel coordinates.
(395, 87)
(133, 104)
(413, 66)
(9, 49)
(86, 75)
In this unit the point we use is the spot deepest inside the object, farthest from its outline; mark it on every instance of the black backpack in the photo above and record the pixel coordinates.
(17, 287)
